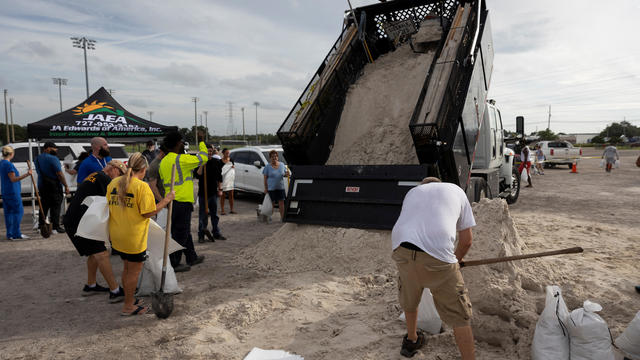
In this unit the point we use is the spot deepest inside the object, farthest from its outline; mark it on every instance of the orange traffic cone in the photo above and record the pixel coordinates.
(574, 168)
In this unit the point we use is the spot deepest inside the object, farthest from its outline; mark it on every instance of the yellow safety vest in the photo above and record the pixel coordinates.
(185, 163)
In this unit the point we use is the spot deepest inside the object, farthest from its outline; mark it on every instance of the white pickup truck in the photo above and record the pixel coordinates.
(559, 153)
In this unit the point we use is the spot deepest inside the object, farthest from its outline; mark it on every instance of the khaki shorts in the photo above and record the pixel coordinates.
(418, 270)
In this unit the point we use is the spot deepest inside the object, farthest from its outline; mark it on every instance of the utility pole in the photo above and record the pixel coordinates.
(549, 121)
(60, 82)
(195, 119)
(230, 126)
(206, 126)
(256, 105)
(244, 138)
(150, 115)
(84, 43)
(6, 116)
(13, 134)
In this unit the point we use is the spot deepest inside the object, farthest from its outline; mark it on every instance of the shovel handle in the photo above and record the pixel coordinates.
(35, 187)
(572, 250)
(167, 232)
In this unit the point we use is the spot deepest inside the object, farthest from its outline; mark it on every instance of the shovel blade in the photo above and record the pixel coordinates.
(162, 304)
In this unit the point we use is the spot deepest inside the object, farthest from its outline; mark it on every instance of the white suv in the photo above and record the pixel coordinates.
(69, 151)
(249, 162)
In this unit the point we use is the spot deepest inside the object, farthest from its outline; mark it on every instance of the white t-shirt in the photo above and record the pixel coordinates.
(431, 216)
(527, 158)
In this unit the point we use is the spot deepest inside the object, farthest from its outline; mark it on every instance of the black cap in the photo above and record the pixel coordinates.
(49, 144)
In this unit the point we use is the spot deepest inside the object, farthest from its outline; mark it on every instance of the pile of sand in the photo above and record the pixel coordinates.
(506, 297)
(374, 125)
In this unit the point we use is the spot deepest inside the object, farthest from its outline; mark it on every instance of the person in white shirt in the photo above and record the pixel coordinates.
(423, 240)
(525, 163)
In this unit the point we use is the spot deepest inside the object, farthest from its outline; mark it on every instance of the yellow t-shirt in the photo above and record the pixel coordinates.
(128, 229)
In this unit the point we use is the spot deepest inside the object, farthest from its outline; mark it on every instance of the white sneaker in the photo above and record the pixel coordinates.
(54, 232)
(25, 236)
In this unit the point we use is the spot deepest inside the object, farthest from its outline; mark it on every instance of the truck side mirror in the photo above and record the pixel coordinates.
(257, 164)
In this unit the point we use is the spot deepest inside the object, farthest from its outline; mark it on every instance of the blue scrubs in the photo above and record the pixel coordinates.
(11, 200)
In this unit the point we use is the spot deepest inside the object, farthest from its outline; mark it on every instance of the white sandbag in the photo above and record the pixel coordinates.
(267, 208)
(524, 177)
(161, 217)
(551, 339)
(94, 224)
(155, 242)
(428, 318)
(149, 281)
(259, 354)
(629, 340)
(602, 162)
(617, 164)
(590, 336)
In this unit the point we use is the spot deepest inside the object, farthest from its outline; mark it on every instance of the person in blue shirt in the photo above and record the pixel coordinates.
(274, 174)
(50, 182)
(98, 159)
(11, 199)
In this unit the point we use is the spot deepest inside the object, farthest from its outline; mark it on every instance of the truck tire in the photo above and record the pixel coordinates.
(479, 188)
(515, 192)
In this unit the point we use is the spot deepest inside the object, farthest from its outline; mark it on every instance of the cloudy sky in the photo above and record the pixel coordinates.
(579, 57)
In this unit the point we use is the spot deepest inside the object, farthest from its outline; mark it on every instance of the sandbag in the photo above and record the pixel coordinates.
(94, 224)
(524, 176)
(551, 338)
(590, 336)
(161, 218)
(267, 208)
(259, 354)
(428, 318)
(617, 164)
(149, 281)
(629, 340)
(602, 162)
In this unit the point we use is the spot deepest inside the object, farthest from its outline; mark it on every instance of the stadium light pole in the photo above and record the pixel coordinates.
(13, 133)
(206, 126)
(6, 116)
(244, 138)
(84, 44)
(195, 119)
(256, 105)
(60, 82)
(150, 115)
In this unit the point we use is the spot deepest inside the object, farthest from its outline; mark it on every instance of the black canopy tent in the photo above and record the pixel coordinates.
(99, 115)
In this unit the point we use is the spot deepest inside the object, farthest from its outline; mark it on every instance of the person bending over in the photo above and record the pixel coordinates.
(423, 250)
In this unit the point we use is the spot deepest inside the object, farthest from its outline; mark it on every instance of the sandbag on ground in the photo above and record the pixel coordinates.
(629, 340)
(551, 339)
(590, 336)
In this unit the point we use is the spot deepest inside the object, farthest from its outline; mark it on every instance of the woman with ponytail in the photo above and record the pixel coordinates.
(131, 204)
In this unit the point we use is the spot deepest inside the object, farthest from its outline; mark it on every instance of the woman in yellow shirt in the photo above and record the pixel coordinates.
(131, 204)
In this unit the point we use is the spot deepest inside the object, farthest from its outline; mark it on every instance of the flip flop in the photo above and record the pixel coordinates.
(233, 212)
(223, 213)
(140, 310)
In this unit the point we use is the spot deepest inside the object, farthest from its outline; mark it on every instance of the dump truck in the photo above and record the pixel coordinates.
(456, 131)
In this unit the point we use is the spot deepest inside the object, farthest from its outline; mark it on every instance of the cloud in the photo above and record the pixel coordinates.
(182, 74)
(33, 49)
(526, 36)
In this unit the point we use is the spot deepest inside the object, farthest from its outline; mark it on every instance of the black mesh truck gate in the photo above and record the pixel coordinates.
(444, 125)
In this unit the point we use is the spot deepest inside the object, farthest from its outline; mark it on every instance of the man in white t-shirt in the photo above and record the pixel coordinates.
(423, 248)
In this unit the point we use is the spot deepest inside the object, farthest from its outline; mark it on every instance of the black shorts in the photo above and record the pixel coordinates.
(141, 257)
(87, 247)
(277, 195)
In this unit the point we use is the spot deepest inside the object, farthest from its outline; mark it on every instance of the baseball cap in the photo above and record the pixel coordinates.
(119, 165)
(49, 144)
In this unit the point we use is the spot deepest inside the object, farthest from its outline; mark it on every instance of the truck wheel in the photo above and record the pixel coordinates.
(515, 187)
(479, 188)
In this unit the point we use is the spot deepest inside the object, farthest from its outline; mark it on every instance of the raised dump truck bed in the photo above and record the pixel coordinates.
(444, 125)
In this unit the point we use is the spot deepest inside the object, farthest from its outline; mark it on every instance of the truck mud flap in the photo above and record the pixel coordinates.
(354, 196)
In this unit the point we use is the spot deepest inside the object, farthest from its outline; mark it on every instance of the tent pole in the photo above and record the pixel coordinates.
(33, 201)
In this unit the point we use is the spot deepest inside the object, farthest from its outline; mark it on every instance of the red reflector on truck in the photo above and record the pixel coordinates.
(551, 152)
(352, 189)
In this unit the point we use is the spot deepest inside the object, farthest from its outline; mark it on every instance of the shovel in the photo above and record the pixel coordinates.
(162, 304)
(573, 250)
(45, 225)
